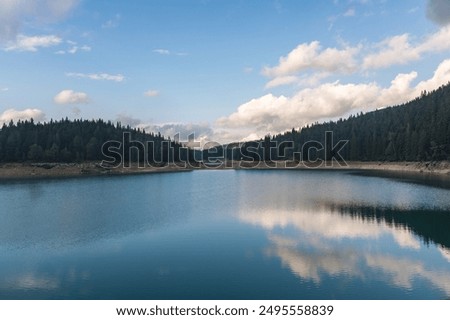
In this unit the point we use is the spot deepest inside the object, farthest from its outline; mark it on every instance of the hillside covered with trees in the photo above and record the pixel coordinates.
(415, 131)
(80, 140)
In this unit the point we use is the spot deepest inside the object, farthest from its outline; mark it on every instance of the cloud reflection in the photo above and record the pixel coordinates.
(330, 225)
(310, 242)
(309, 264)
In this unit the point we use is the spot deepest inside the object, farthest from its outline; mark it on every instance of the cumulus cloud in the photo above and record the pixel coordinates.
(395, 50)
(151, 93)
(26, 114)
(14, 14)
(280, 81)
(438, 11)
(202, 131)
(309, 63)
(71, 97)
(97, 76)
(32, 43)
(273, 114)
(400, 50)
(311, 56)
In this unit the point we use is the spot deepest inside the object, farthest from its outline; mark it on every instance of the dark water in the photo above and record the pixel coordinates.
(225, 235)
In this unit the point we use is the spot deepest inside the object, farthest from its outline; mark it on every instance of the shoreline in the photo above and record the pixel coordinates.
(11, 171)
(441, 168)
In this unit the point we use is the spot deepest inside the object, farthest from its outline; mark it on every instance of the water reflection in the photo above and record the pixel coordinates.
(430, 225)
(204, 234)
(355, 241)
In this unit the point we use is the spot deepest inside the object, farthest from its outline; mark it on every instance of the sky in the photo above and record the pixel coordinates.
(226, 70)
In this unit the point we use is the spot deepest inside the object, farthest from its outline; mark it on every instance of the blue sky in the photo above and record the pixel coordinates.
(224, 69)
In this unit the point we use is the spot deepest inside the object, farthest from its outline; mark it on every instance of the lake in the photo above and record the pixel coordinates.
(225, 234)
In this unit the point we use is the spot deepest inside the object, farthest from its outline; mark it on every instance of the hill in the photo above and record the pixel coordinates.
(83, 140)
(415, 131)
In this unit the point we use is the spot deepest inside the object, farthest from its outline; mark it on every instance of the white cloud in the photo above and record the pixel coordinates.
(248, 70)
(273, 114)
(399, 50)
(395, 50)
(167, 52)
(97, 76)
(202, 131)
(74, 49)
(151, 93)
(310, 56)
(436, 42)
(281, 81)
(15, 13)
(71, 97)
(32, 43)
(162, 51)
(309, 63)
(26, 114)
(439, 11)
(4, 89)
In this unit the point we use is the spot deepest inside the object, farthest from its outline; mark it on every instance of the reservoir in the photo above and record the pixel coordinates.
(225, 234)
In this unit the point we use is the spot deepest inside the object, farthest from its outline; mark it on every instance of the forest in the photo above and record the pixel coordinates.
(415, 131)
(418, 130)
(82, 140)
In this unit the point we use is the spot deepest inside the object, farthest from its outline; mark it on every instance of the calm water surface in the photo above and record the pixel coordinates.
(225, 235)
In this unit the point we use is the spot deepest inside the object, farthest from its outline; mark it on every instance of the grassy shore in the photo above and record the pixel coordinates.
(50, 170)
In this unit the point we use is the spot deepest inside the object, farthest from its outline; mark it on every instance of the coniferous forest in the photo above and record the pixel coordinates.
(80, 140)
(415, 131)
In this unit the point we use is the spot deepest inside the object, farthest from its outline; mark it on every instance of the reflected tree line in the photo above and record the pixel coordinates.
(430, 225)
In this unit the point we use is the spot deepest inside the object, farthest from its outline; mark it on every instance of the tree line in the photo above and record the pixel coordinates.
(418, 130)
(415, 131)
(82, 140)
